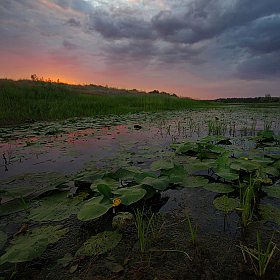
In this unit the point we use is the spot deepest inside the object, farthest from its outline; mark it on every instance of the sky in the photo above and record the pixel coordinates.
(203, 49)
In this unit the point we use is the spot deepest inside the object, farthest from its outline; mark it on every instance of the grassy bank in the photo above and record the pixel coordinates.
(27, 100)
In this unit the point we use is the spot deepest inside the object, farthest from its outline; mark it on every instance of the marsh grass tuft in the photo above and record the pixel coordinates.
(263, 257)
(192, 230)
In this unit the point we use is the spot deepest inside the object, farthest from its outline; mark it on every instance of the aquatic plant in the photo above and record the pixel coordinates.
(192, 230)
(262, 256)
(142, 228)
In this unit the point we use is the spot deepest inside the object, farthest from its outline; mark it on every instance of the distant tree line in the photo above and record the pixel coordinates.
(266, 99)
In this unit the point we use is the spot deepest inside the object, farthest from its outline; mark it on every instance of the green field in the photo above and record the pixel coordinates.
(22, 101)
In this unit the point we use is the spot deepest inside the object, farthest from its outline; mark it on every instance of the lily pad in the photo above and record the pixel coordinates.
(161, 164)
(3, 239)
(94, 208)
(55, 207)
(100, 243)
(11, 193)
(32, 244)
(270, 212)
(225, 204)
(273, 191)
(130, 195)
(219, 188)
(158, 183)
(194, 182)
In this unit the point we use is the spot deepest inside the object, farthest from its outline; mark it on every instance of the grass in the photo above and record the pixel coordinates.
(192, 230)
(28, 100)
(263, 257)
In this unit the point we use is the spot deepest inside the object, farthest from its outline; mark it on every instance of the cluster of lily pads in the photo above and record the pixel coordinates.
(213, 162)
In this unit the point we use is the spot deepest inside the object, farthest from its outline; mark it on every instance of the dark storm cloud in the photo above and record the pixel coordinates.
(260, 67)
(73, 22)
(250, 27)
(260, 36)
(119, 24)
(69, 46)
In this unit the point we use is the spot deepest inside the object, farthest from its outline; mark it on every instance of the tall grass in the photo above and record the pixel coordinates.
(47, 101)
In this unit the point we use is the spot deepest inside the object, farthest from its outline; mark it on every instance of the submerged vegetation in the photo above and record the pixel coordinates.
(22, 101)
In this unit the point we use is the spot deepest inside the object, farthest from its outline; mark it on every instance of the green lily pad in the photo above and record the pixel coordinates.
(95, 208)
(32, 244)
(25, 251)
(218, 188)
(194, 182)
(270, 212)
(271, 171)
(141, 176)
(158, 183)
(100, 243)
(273, 191)
(11, 193)
(244, 165)
(124, 174)
(129, 195)
(3, 239)
(161, 164)
(55, 207)
(113, 184)
(225, 204)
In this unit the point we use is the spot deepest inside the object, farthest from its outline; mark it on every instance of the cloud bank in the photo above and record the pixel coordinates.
(208, 45)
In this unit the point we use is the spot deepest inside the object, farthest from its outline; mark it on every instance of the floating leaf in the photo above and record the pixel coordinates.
(124, 174)
(270, 212)
(25, 251)
(55, 207)
(3, 239)
(18, 191)
(114, 267)
(113, 184)
(225, 204)
(219, 187)
(95, 208)
(271, 171)
(161, 164)
(104, 190)
(194, 181)
(100, 243)
(273, 191)
(32, 244)
(158, 183)
(141, 176)
(130, 195)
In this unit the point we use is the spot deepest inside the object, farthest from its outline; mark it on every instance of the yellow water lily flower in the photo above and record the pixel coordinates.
(116, 202)
(246, 158)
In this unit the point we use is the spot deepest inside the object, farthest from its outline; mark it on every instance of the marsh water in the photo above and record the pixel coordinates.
(42, 152)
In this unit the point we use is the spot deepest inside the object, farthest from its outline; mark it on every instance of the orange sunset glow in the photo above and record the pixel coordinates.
(195, 48)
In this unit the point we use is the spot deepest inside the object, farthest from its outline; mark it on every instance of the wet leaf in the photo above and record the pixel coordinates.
(161, 164)
(219, 188)
(100, 243)
(270, 212)
(225, 204)
(55, 207)
(94, 208)
(158, 183)
(130, 195)
(114, 267)
(3, 239)
(194, 182)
